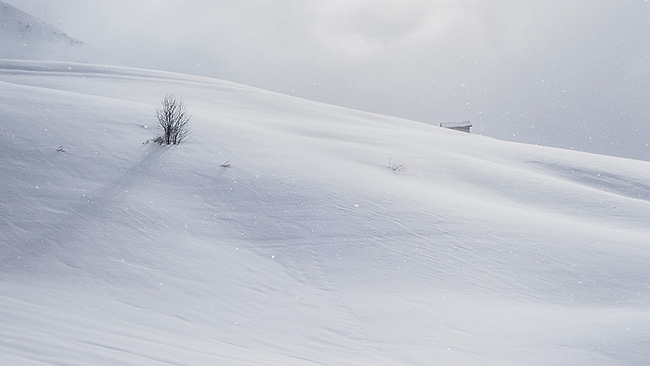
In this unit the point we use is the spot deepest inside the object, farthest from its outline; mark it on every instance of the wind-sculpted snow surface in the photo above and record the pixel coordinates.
(308, 249)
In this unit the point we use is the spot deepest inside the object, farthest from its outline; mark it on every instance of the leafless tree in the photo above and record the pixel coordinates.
(174, 120)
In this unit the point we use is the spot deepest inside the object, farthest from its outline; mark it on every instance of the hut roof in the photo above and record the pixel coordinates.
(456, 124)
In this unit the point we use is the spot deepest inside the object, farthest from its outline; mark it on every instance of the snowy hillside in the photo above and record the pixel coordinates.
(309, 249)
(24, 36)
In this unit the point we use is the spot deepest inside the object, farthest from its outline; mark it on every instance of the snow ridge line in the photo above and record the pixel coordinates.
(153, 156)
(68, 232)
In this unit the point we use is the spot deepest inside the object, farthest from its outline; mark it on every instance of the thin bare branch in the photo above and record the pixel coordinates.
(173, 118)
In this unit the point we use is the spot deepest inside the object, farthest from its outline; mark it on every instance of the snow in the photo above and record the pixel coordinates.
(24, 36)
(309, 249)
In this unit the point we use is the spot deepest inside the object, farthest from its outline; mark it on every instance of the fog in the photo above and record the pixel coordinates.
(566, 73)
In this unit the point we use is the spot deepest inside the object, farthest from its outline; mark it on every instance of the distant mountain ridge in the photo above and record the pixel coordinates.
(24, 36)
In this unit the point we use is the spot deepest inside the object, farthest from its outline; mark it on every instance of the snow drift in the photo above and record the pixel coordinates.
(309, 249)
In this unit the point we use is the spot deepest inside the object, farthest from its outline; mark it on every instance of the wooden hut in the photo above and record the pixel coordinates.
(458, 126)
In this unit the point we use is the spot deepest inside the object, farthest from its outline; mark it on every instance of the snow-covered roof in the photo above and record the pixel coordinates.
(456, 124)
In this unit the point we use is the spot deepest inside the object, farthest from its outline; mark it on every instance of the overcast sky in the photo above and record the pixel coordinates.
(567, 73)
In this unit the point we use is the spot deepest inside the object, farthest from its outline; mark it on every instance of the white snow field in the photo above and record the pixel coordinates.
(336, 237)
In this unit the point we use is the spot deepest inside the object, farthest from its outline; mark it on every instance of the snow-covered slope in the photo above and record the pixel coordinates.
(309, 250)
(24, 36)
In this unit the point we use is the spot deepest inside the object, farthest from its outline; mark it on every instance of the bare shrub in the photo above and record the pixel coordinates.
(396, 167)
(174, 120)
